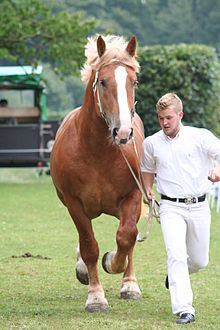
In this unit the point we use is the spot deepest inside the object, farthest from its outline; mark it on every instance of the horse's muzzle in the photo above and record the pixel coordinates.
(122, 135)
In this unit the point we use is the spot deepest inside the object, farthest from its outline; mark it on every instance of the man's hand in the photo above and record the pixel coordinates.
(150, 194)
(214, 174)
(148, 179)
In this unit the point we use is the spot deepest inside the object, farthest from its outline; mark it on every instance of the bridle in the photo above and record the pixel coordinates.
(95, 87)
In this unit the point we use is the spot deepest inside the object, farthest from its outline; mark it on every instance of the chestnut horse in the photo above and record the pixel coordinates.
(90, 175)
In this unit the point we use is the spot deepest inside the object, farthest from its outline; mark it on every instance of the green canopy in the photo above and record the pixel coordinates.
(24, 77)
(21, 76)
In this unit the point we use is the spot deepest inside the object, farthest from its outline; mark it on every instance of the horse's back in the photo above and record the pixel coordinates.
(139, 125)
(69, 117)
(63, 144)
(138, 132)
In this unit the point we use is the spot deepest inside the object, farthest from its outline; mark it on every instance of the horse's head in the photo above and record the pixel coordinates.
(114, 86)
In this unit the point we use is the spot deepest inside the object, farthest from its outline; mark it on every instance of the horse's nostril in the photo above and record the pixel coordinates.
(115, 132)
(131, 134)
(123, 141)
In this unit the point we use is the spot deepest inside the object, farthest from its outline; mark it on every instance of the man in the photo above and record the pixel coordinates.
(182, 158)
(6, 120)
(3, 103)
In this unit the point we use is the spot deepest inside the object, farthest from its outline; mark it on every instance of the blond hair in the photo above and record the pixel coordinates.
(170, 100)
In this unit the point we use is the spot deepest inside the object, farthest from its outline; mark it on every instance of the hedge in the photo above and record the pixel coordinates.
(192, 72)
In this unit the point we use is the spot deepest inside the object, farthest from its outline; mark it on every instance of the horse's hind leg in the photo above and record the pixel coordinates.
(89, 252)
(122, 259)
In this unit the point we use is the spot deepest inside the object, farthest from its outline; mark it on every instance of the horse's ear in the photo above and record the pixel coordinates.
(132, 45)
(100, 46)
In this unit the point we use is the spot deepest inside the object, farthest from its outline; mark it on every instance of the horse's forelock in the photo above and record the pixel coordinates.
(115, 52)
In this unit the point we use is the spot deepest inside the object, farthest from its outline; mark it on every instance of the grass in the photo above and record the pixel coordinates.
(41, 292)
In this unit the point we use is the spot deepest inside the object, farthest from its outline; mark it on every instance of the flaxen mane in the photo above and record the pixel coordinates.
(115, 52)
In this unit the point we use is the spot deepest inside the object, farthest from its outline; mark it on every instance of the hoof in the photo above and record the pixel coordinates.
(104, 262)
(107, 262)
(131, 295)
(82, 278)
(97, 308)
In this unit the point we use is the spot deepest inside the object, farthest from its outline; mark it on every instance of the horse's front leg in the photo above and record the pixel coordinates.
(89, 254)
(122, 260)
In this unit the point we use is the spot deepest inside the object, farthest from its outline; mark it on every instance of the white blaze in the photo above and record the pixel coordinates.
(124, 112)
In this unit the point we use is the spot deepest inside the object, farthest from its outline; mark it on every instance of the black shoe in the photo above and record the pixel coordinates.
(186, 318)
(167, 283)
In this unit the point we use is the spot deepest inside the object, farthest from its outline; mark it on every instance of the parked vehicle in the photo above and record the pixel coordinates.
(26, 136)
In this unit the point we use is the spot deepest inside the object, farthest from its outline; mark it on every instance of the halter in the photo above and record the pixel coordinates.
(95, 87)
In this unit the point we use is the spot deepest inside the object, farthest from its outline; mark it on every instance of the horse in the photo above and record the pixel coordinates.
(87, 168)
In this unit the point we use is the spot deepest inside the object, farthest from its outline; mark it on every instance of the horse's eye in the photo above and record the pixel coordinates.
(103, 83)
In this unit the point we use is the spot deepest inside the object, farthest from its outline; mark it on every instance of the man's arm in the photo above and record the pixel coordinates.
(148, 182)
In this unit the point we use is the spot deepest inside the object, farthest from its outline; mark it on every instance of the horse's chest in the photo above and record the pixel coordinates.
(101, 190)
(99, 183)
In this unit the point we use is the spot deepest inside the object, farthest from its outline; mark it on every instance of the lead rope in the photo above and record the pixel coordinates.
(153, 204)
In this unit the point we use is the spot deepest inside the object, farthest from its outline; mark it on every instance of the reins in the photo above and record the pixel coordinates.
(153, 204)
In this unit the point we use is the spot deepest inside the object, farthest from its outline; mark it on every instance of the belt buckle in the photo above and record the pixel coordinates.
(190, 200)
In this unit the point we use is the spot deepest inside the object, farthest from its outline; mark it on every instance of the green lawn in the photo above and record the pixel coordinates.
(43, 293)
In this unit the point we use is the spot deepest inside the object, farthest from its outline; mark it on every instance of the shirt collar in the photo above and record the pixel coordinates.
(179, 134)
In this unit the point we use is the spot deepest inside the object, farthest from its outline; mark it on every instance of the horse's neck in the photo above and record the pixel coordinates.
(92, 126)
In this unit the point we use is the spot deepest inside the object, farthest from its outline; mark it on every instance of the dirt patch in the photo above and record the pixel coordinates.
(29, 255)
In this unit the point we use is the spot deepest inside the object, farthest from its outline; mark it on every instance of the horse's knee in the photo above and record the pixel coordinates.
(89, 250)
(126, 236)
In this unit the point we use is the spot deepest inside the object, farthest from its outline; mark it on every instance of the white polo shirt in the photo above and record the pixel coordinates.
(182, 164)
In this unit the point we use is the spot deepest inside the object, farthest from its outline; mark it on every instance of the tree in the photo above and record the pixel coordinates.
(62, 94)
(191, 71)
(30, 33)
(153, 21)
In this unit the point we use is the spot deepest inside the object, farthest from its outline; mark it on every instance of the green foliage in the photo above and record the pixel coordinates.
(161, 22)
(30, 32)
(63, 94)
(191, 71)
(55, 31)
(153, 21)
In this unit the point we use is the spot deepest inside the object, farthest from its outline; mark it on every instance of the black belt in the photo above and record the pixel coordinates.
(188, 200)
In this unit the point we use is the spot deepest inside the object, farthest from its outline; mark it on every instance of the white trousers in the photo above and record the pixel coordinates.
(186, 232)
